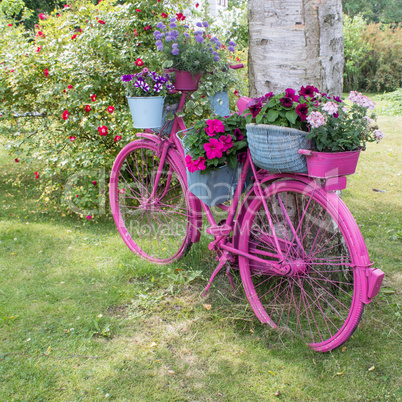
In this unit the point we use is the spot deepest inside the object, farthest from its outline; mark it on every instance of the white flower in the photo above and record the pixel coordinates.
(331, 108)
(378, 135)
(316, 119)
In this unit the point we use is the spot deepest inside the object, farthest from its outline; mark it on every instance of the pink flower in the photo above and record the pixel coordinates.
(102, 131)
(239, 136)
(101, 22)
(70, 86)
(331, 108)
(110, 109)
(74, 36)
(290, 93)
(72, 138)
(42, 16)
(10, 25)
(89, 217)
(16, 159)
(65, 115)
(214, 149)
(316, 119)
(197, 5)
(308, 91)
(93, 98)
(180, 17)
(94, 182)
(361, 100)
(38, 49)
(117, 138)
(121, 190)
(214, 126)
(147, 27)
(139, 62)
(164, 15)
(196, 164)
(378, 135)
(36, 175)
(286, 101)
(226, 141)
(46, 72)
(88, 108)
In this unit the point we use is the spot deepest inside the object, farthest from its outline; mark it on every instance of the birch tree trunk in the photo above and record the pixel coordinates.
(295, 43)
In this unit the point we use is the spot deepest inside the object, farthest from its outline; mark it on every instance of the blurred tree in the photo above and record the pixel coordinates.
(386, 11)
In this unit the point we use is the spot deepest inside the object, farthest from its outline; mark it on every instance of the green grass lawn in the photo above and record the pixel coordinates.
(82, 318)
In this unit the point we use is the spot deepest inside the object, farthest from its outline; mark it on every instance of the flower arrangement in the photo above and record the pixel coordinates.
(214, 143)
(332, 125)
(190, 48)
(147, 83)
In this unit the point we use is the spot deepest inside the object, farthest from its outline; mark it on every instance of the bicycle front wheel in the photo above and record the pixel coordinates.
(321, 246)
(152, 218)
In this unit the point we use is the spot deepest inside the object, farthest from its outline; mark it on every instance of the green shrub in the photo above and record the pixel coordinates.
(393, 103)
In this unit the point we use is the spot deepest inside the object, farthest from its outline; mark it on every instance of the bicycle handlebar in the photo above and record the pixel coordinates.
(236, 66)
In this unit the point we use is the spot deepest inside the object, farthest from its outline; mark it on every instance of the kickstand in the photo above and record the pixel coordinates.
(217, 269)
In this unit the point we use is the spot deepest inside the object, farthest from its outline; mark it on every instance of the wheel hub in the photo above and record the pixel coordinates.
(296, 268)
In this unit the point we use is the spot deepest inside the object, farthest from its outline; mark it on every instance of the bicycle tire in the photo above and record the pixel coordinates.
(159, 229)
(320, 297)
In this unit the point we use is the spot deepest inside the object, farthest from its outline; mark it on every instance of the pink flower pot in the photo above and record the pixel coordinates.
(185, 81)
(323, 165)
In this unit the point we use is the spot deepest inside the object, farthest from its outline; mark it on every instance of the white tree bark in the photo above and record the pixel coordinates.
(295, 43)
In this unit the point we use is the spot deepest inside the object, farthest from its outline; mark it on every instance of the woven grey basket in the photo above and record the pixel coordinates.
(276, 148)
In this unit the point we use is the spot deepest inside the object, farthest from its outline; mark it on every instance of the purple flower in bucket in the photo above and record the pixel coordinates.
(158, 87)
(126, 78)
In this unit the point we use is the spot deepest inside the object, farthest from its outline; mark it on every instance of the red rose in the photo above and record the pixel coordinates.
(110, 109)
(72, 138)
(164, 15)
(102, 131)
(46, 72)
(139, 62)
(65, 115)
(101, 22)
(117, 138)
(87, 108)
(93, 98)
(74, 36)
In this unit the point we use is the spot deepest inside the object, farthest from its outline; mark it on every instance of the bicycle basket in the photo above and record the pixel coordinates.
(215, 187)
(275, 148)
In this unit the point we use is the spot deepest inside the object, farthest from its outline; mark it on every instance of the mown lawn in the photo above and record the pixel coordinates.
(83, 319)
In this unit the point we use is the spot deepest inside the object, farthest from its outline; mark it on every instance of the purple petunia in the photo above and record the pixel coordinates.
(126, 78)
(158, 87)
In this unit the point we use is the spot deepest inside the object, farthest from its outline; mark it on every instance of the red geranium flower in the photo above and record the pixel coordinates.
(40, 33)
(89, 217)
(74, 36)
(10, 25)
(16, 159)
(94, 182)
(139, 62)
(72, 138)
(87, 108)
(101, 22)
(147, 27)
(46, 72)
(64, 91)
(102, 131)
(164, 15)
(197, 5)
(70, 86)
(65, 115)
(138, 10)
(38, 49)
(93, 98)
(135, 32)
(36, 175)
(110, 109)
(66, 6)
(180, 17)
(117, 138)
(42, 16)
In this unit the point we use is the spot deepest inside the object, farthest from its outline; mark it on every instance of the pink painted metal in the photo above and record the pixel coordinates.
(185, 81)
(330, 164)
(302, 259)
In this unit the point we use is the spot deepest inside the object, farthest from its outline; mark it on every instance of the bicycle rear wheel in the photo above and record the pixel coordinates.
(320, 297)
(155, 225)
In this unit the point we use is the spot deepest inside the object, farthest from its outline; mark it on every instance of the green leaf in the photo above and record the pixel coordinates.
(291, 115)
(272, 115)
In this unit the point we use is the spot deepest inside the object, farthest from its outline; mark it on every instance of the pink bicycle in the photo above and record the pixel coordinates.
(302, 259)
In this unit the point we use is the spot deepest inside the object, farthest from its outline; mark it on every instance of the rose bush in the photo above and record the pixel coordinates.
(69, 70)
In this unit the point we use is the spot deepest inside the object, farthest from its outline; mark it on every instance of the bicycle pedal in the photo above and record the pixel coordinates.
(219, 230)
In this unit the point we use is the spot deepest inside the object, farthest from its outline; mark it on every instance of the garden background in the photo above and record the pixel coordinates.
(82, 318)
